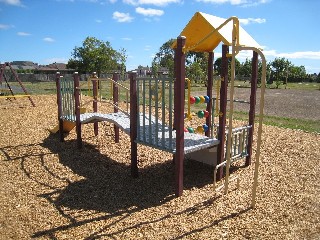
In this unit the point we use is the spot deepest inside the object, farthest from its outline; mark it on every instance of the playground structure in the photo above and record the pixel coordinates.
(204, 33)
(7, 91)
(158, 120)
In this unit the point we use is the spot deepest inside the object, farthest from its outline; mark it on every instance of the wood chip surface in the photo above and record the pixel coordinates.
(52, 190)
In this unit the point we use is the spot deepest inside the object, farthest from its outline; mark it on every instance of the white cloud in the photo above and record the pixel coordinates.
(5, 26)
(243, 3)
(48, 39)
(150, 12)
(23, 34)
(246, 21)
(151, 2)
(12, 2)
(147, 48)
(315, 55)
(271, 54)
(122, 17)
(126, 39)
(98, 21)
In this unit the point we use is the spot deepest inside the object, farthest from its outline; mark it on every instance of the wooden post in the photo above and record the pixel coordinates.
(179, 114)
(223, 109)
(95, 103)
(115, 94)
(77, 106)
(209, 92)
(133, 124)
(254, 80)
(59, 103)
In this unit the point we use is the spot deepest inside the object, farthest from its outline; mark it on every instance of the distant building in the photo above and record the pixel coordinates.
(143, 71)
(147, 71)
(31, 67)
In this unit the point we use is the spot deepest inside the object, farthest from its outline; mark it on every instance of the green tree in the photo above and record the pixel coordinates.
(196, 66)
(279, 70)
(217, 66)
(196, 62)
(96, 56)
(296, 73)
(164, 58)
(245, 68)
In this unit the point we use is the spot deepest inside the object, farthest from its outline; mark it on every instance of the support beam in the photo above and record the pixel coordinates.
(95, 85)
(254, 80)
(59, 102)
(115, 93)
(133, 124)
(179, 99)
(77, 106)
(223, 109)
(209, 91)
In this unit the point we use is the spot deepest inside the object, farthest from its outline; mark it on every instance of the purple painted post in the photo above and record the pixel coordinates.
(77, 106)
(59, 103)
(115, 78)
(254, 80)
(133, 124)
(179, 113)
(95, 103)
(209, 91)
(223, 109)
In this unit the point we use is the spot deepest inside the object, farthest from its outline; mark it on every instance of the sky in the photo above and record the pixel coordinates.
(47, 31)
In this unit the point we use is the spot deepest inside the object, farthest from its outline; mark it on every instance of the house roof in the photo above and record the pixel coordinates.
(205, 32)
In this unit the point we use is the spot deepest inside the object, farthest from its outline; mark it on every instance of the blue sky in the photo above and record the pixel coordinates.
(46, 31)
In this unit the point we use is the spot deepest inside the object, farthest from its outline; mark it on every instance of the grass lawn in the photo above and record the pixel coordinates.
(40, 88)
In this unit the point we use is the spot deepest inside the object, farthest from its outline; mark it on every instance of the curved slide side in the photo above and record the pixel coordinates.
(67, 127)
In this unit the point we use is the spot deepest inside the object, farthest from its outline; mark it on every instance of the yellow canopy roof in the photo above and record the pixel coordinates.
(201, 35)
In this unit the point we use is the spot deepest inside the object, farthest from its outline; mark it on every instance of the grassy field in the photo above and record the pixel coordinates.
(43, 88)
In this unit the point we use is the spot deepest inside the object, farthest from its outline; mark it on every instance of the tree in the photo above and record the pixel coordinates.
(164, 58)
(217, 66)
(96, 56)
(196, 62)
(279, 70)
(297, 73)
(196, 66)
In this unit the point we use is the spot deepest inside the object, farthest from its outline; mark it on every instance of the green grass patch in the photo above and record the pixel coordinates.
(40, 88)
(292, 123)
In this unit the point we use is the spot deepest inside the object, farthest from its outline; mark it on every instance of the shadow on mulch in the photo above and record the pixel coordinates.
(108, 185)
(109, 188)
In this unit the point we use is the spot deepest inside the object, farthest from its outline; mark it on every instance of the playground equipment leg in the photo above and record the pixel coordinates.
(223, 108)
(133, 124)
(115, 92)
(254, 79)
(179, 113)
(77, 104)
(209, 91)
(95, 103)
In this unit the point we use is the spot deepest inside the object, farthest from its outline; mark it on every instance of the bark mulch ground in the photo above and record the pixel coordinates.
(51, 190)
